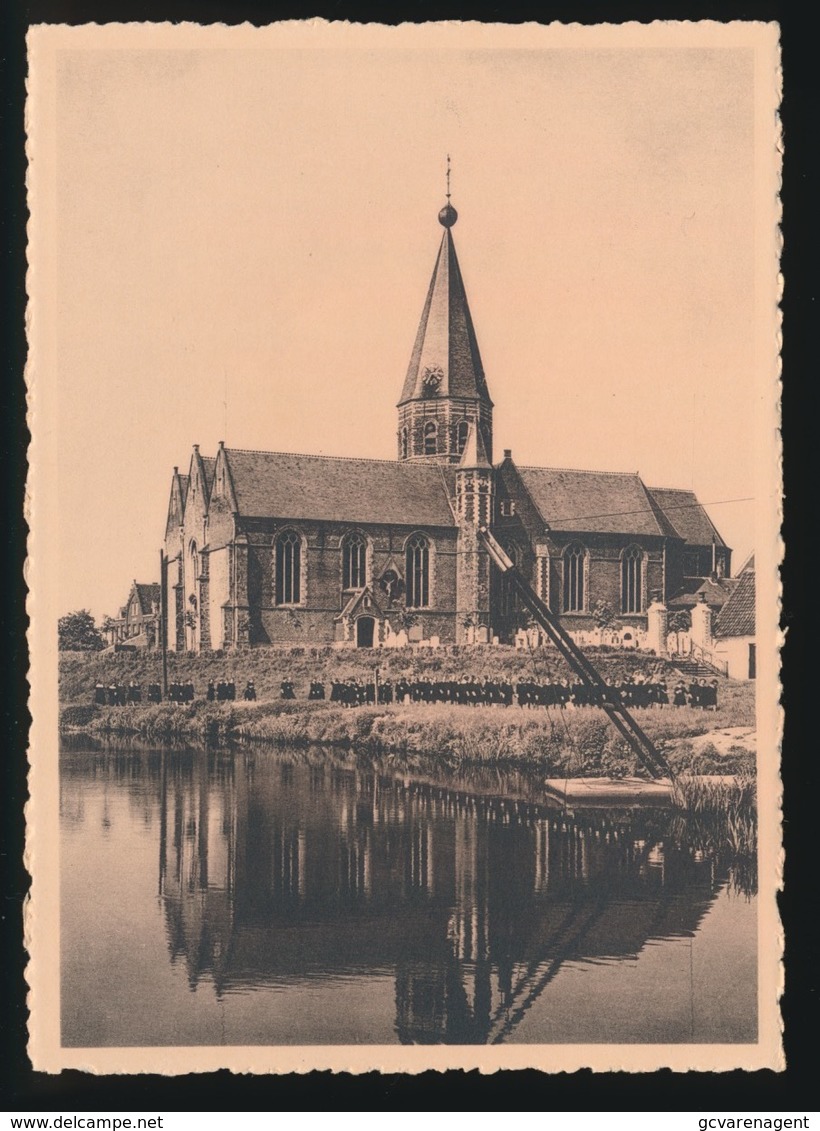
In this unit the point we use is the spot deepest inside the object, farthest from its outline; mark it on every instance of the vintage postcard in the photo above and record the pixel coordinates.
(404, 500)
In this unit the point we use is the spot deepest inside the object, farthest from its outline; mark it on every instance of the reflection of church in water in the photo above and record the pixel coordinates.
(271, 872)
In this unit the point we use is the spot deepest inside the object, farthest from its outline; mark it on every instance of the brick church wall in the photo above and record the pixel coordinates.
(313, 620)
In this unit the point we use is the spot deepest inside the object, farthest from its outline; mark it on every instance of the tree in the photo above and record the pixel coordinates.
(680, 621)
(603, 615)
(77, 632)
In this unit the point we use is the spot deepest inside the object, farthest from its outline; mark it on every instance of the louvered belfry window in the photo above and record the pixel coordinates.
(461, 436)
(430, 437)
(354, 561)
(418, 572)
(632, 580)
(574, 594)
(288, 568)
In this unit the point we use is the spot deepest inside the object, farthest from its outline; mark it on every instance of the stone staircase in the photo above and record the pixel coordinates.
(694, 668)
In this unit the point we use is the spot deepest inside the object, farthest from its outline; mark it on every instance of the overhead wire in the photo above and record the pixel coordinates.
(649, 511)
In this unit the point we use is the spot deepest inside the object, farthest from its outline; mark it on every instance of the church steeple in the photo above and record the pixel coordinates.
(445, 390)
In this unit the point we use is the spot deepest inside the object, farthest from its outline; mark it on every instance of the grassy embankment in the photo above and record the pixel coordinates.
(576, 742)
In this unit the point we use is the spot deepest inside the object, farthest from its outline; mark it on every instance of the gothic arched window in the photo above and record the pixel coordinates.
(461, 436)
(354, 561)
(288, 567)
(417, 571)
(403, 443)
(632, 580)
(430, 438)
(574, 578)
(194, 561)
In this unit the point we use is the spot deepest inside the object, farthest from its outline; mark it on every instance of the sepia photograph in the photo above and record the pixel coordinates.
(404, 504)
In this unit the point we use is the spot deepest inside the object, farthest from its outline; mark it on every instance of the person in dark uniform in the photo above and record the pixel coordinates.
(154, 693)
(210, 693)
(249, 693)
(231, 690)
(99, 693)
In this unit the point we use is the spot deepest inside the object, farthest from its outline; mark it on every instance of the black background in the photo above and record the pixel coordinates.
(71, 1091)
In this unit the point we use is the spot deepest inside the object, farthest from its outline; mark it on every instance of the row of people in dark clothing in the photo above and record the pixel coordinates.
(472, 692)
(123, 694)
(467, 691)
(225, 689)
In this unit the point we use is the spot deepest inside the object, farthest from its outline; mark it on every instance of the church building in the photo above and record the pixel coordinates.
(269, 548)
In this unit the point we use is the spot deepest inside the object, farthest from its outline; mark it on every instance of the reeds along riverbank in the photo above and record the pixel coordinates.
(570, 742)
(719, 819)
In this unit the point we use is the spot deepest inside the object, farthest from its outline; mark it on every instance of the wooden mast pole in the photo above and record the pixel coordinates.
(163, 620)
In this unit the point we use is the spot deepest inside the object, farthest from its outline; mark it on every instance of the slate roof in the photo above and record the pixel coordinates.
(183, 488)
(686, 515)
(209, 464)
(446, 339)
(716, 593)
(474, 454)
(596, 502)
(148, 594)
(287, 485)
(737, 617)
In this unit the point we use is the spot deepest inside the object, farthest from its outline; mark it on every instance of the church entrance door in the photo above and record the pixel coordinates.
(365, 628)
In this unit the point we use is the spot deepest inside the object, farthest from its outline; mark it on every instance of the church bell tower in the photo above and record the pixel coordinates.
(445, 391)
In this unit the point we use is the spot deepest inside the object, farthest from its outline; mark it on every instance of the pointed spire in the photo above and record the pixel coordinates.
(474, 454)
(445, 360)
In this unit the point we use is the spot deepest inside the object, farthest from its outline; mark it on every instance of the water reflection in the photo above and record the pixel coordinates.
(273, 870)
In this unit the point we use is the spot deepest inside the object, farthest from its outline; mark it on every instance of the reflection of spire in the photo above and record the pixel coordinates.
(474, 902)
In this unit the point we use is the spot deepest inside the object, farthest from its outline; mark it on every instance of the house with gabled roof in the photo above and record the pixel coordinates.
(267, 548)
(734, 645)
(138, 622)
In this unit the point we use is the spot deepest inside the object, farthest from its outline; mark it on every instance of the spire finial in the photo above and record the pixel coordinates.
(448, 215)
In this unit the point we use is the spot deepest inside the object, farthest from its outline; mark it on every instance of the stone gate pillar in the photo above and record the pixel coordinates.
(657, 627)
(702, 624)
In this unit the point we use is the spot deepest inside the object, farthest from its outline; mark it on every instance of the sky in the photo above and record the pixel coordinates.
(244, 240)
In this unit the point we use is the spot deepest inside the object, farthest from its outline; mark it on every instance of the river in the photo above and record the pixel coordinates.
(258, 897)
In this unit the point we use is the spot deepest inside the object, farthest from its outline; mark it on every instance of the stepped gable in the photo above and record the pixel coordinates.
(446, 342)
(686, 515)
(591, 502)
(737, 617)
(288, 485)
